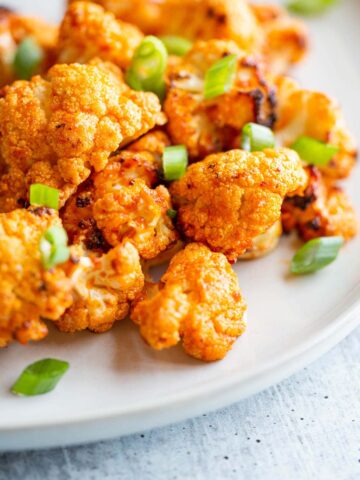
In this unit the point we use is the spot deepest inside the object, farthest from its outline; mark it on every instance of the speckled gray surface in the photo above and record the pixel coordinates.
(307, 427)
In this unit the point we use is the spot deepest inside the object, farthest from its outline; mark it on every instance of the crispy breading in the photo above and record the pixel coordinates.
(264, 243)
(193, 19)
(314, 114)
(87, 31)
(285, 38)
(229, 199)
(28, 291)
(103, 289)
(214, 125)
(13, 29)
(197, 301)
(323, 210)
(55, 130)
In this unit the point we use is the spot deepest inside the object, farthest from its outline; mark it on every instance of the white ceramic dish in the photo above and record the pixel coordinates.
(117, 385)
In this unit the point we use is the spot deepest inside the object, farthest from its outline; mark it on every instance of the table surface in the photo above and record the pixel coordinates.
(306, 427)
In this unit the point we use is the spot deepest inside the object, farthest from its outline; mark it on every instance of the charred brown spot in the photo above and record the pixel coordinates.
(22, 203)
(60, 125)
(95, 240)
(83, 201)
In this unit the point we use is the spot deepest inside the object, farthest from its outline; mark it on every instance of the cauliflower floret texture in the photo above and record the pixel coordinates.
(103, 289)
(198, 301)
(55, 130)
(313, 114)
(87, 31)
(28, 291)
(323, 210)
(214, 125)
(229, 199)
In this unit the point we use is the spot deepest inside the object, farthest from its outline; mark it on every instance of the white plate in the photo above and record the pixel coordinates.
(117, 385)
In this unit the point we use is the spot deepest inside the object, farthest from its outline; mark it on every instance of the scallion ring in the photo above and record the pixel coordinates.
(256, 137)
(27, 58)
(40, 377)
(44, 196)
(220, 77)
(171, 213)
(176, 45)
(316, 254)
(147, 69)
(53, 247)
(175, 161)
(313, 151)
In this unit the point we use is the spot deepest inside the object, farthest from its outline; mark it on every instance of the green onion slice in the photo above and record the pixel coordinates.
(220, 77)
(257, 137)
(313, 151)
(175, 161)
(176, 45)
(44, 196)
(309, 7)
(147, 69)
(27, 58)
(171, 213)
(53, 247)
(316, 254)
(40, 377)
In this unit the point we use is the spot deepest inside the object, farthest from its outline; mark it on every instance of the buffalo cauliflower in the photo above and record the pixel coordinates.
(313, 114)
(28, 291)
(103, 289)
(120, 203)
(285, 38)
(193, 19)
(87, 31)
(14, 29)
(197, 301)
(214, 125)
(229, 199)
(323, 210)
(55, 130)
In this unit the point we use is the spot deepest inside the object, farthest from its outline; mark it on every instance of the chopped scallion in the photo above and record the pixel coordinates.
(40, 377)
(309, 7)
(175, 161)
(147, 69)
(257, 137)
(313, 151)
(27, 58)
(220, 77)
(316, 254)
(53, 247)
(44, 196)
(176, 45)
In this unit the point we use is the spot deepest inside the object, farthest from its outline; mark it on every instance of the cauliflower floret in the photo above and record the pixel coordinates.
(104, 287)
(120, 203)
(285, 38)
(192, 19)
(313, 114)
(323, 210)
(208, 126)
(198, 301)
(229, 199)
(134, 212)
(264, 243)
(87, 31)
(13, 29)
(54, 130)
(28, 291)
